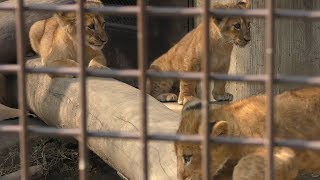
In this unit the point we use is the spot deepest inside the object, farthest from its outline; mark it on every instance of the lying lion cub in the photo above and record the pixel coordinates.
(297, 116)
(55, 39)
(186, 56)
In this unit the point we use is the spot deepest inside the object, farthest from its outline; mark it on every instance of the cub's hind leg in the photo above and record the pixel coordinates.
(253, 166)
(160, 89)
(187, 91)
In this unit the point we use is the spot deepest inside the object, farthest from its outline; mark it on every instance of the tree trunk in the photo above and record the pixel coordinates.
(112, 106)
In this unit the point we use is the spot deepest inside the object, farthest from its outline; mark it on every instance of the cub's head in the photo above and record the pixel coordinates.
(189, 154)
(94, 25)
(234, 29)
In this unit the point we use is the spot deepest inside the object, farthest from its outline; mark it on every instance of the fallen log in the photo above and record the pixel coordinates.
(36, 172)
(112, 106)
(8, 27)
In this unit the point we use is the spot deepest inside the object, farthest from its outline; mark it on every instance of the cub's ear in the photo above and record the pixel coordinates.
(67, 17)
(220, 129)
(243, 4)
(219, 20)
(211, 125)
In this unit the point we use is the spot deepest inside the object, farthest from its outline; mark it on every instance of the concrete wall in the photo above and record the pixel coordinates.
(297, 44)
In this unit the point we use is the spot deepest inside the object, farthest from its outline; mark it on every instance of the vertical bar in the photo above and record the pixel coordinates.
(142, 57)
(205, 91)
(23, 135)
(83, 100)
(269, 86)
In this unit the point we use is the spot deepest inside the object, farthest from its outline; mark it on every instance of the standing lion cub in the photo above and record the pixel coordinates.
(297, 116)
(55, 41)
(186, 56)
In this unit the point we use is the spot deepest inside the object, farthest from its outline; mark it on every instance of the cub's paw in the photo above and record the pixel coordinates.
(167, 97)
(183, 100)
(223, 97)
(97, 67)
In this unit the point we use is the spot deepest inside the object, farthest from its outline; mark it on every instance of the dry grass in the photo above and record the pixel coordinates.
(59, 158)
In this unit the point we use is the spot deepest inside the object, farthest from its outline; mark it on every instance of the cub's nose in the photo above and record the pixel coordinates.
(104, 40)
(247, 38)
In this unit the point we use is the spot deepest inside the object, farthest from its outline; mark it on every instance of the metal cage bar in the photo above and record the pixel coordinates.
(269, 36)
(142, 59)
(83, 150)
(143, 11)
(23, 134)
(205, 98)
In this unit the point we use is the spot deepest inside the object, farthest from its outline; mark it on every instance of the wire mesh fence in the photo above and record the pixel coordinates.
(142, 11)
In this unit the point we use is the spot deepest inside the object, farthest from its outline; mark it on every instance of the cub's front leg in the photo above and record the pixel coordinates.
(253, 166)
(188, 87)
(187, 91)
(98, 62)
(60, 63)
(219, 91)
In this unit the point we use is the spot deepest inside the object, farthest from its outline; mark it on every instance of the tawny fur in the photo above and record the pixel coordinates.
(186, 56)
(55, 39)
(297, 116)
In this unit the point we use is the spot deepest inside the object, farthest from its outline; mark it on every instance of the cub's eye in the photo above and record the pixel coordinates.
(187, 158)
(237, 26)
(91, 26)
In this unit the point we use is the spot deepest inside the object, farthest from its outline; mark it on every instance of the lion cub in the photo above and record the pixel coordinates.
(55, 41)
(186, 56)
(297, 116)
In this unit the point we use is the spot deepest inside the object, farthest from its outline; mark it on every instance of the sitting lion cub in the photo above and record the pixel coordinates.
(55, 41)
(297, 116)
(186, 56)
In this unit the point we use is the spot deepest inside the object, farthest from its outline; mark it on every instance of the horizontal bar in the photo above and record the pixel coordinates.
(259, 13)
(110, 10)
(109, 73)
(114, 10)
(315, 145)
(121, 26)
(304, 144)
(290, 13)
(168, 11)
(176, 75)
(47, 7)
(176, 11)
(5, 6)
(9, 68)
(213, 76)
(311, 80)
(178, 137)
(49, 70)
(110, 134)
(52, 131)
(9, 128)
(301, 144)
